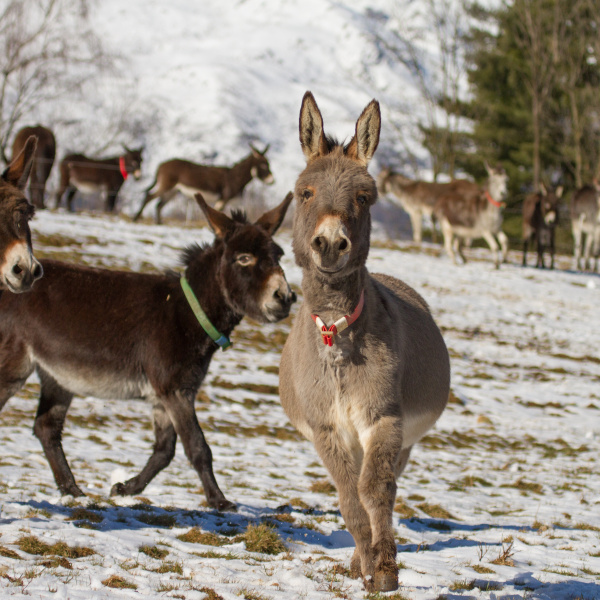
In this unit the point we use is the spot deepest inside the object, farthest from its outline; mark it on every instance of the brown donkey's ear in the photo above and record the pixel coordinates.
(366, 137)
(219, 222)
(312, 136)
(272, 219)
(18, 171)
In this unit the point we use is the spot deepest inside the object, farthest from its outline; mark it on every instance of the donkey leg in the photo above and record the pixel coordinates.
(49, 422)
(15, 368)
(345, 470)
(162, 455)
(70, 195)
(180, 409)
(493, 244)
(503, 239)
(448, 238)
(383, 457)
(417, 226)
(147, 198)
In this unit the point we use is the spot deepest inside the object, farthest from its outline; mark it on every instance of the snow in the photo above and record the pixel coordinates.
(513, 460)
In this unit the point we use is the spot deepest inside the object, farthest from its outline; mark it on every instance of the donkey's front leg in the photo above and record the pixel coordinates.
(383, 456)
(180, 409)
(49, 422)
(162, 454)
(344, 467)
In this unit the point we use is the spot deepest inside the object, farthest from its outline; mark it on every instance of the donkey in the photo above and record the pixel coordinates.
(156, 342)
(365, 389)
(43, 160)
(104, 175)
(585, 219)
(216, 183)
(18, 267)
(540, 218)
(468, 213)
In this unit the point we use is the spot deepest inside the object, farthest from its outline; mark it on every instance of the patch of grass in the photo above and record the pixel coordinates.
(462, 584)
(55, 562)
(323, 486)
(526, 486)
(435, 511)
(405, 511)
(84, 514)
(586, 527)
(33, 545)
(251, 595)
(154, 552)
(299, 503)
(4, 551)
(264, 539)
(482, 570)
(207, 538)
(259, 388)
(115, 581)
(506, 554)
(170, 567)
(157, 520)
(210, 594)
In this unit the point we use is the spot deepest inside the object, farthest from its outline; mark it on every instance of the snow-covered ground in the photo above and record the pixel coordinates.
(500, 501)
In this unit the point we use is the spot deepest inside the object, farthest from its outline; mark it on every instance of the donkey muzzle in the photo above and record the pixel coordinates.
(20, 269)
(278, 298)
(330, 245)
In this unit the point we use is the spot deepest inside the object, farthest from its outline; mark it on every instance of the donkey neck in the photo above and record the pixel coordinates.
(203, 275)
(333, 298)
(240, 174)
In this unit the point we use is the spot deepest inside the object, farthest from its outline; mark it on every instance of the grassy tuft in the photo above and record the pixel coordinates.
(33, 545)
(154, 552)
(323, 486)
(197, 536)
(435, 510)
(264, 539)
(115, 581)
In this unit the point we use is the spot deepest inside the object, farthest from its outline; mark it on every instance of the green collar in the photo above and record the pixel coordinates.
(218, 338)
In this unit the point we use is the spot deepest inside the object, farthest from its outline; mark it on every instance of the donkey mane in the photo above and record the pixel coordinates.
(192, 252)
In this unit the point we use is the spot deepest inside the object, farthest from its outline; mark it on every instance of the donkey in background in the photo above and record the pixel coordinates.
(468, 213)
(93, 175)
(123, 335)
(18, 267)
(585, 221)
(540, 218)
(215, 183)
(365, 389)
(43, 160)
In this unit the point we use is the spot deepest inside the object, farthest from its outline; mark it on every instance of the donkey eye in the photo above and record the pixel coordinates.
(246, 260)
(362, 199)
(307, 194)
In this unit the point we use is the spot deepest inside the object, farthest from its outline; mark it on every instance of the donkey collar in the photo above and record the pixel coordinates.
(491, 200)
(340, 324)
(220, 339)
(122, 167)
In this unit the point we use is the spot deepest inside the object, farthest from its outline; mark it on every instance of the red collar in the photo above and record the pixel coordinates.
(122, 167)
(492, 201)
(340, 324)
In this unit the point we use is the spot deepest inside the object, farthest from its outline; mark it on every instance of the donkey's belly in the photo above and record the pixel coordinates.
(190, 191)
(86, 187)
(89, 381)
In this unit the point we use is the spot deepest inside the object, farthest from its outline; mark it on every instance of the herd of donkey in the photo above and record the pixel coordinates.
(364, 372)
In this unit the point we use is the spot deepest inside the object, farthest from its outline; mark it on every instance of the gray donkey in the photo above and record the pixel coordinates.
(369, 386)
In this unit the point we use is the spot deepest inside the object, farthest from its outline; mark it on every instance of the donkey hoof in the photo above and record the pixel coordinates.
(223, 505)
(385, 581)
(119, 489)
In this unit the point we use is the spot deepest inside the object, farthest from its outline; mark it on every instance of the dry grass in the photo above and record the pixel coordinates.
(207, 538)
(435, 511)
(33, 545)
(264, 539)
(154, 552)
(115, 581)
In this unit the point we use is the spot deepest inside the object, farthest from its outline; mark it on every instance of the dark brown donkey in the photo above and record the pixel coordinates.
(43, 161)
(540, 218)
(364, 372)
(92, 175)
(113, 334)
(220, 184)
(18, 267)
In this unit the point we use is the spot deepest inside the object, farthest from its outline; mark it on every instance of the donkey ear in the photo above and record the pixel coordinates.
(366, 137)
(219, 222)
(312, 136)
(18, 171)
(272, 219)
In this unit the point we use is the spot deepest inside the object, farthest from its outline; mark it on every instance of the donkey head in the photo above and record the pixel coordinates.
(497, 181)
(18, 267)
(133, 161)
(334, 193)
(260, 165)
(549, 204)
(250, 276)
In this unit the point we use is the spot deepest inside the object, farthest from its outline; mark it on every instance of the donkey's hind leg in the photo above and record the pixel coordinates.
(162, 455)
(383, 459)
(49, 422)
